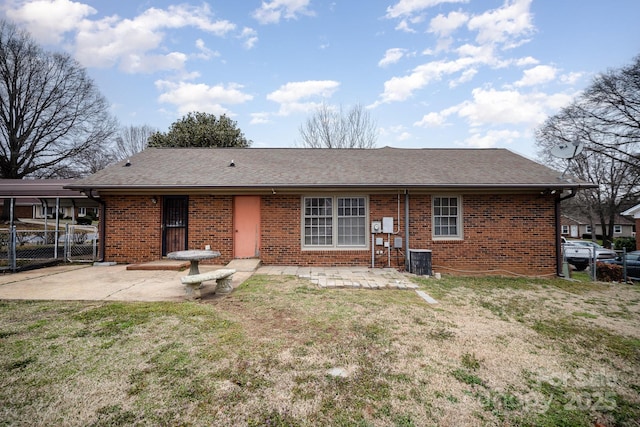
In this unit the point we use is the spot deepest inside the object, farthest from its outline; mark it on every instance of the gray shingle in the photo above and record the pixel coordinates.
(299, 167)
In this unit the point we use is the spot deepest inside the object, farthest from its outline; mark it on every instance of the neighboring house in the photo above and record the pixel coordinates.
(634, 212)
(575, 227)
(485, 211)
(40, 198)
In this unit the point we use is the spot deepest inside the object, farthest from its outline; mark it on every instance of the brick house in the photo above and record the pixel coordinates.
(577, 227)
(634, 212)
(478, 210)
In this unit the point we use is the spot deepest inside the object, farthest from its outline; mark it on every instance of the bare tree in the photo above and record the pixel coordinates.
(606, 119)
(51, 113)
(131, 140)
(331, 128)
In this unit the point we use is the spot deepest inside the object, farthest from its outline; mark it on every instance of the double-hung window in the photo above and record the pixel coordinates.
(334, 222)
(447, 217)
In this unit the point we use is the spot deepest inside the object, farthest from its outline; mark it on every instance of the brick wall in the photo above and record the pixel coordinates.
(501, 232)
(132, 229)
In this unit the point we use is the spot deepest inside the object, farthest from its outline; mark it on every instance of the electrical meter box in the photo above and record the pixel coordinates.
(376, 227)
(387, 224)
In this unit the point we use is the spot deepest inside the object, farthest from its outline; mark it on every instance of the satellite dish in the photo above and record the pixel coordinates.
(567, 150)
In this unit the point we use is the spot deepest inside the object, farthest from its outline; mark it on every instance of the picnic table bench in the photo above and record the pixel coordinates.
(193, 282)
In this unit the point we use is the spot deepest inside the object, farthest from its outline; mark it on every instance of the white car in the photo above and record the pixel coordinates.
(579, 253)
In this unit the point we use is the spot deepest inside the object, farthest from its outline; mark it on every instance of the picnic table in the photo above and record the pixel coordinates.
(194, 256)
(193, 280)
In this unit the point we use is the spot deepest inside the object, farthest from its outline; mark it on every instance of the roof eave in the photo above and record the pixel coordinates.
(278, 187)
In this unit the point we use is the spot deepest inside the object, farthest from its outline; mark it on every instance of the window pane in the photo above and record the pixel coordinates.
(318, 221)
(351, 221)
(445, 216)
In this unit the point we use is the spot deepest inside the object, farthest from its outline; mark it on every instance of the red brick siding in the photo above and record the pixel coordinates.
(132, 229)
(515, 233)
(211, 223)
(501, 232)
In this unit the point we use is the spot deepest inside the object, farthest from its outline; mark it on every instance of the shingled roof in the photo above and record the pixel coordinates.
(245, 168)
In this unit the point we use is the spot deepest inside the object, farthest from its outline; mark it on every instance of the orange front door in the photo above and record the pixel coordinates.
(246, 220)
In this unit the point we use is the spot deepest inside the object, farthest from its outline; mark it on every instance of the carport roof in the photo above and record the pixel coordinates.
(277, 168)
(38, 188)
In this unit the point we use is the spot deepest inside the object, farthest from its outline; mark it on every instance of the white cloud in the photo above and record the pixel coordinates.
(295, 91)
(136, 44)
(537, 75)
(48, 20)
(445, 25)
(571, 78)
(250, 37)
(391, 56)
(260, 118)
(465, 77)
(431, 120)
(205, 52)
(189, 97)
(293, 97)
(526, 61)
(490, 107)
(271, 12)
(411, 7)
(492, 138)
(505, 25)
(401, 88)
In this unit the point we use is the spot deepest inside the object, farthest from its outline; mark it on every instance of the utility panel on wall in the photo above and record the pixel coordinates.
(387, 224)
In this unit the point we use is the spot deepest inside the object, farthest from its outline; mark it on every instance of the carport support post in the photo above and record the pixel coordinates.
(12, 237)
(57, 232)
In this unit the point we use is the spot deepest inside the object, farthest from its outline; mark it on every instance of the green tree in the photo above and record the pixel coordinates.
(51, 113)
(201, 130)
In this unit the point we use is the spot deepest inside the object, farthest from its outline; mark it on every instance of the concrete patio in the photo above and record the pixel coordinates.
(160, 281)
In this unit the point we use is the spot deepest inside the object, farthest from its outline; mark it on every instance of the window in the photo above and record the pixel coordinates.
(82, 211)
(447, 217)
(335, 222)
(565, 229)
(587, 229)
(617, 229)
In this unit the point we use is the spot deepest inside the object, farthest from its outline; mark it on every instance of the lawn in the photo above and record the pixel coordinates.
(279, 351)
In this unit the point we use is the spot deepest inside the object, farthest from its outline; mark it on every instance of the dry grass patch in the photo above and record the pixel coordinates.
(280, 351)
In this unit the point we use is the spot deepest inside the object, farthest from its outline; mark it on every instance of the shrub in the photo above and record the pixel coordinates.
(609, 272)
(628, 243)
(83, 220)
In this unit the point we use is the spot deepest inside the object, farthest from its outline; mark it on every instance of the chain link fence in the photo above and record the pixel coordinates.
(22, 249)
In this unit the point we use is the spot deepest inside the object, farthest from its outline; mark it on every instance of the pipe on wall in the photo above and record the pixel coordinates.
(406, 230)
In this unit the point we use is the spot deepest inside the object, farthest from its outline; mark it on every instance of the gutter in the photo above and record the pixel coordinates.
(559, 258)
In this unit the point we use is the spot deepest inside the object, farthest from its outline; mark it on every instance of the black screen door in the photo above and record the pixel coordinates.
(174, 223)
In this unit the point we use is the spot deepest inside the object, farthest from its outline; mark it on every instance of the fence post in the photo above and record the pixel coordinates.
(12, 248)
(67, 248)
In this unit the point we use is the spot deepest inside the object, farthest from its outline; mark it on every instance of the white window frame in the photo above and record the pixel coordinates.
(564, 229)
(459, 235)
(82, 211)
(617, 229)
(335, 224)
(587, 229)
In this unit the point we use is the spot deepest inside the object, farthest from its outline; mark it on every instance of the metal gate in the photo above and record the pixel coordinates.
(81, 243)
(31, 248)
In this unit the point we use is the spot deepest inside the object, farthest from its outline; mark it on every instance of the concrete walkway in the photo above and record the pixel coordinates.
(118, 283)
(346, 277)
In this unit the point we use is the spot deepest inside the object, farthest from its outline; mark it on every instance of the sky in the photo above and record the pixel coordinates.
(431, 73)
